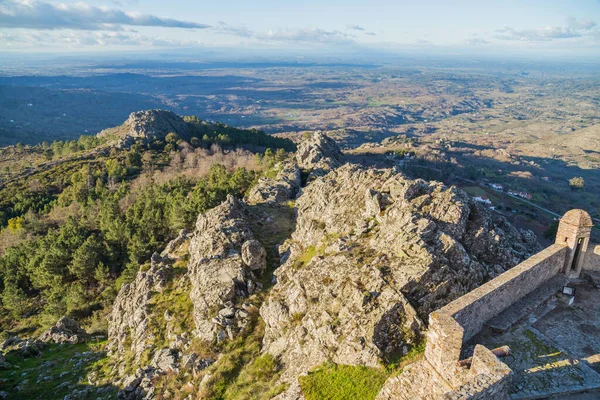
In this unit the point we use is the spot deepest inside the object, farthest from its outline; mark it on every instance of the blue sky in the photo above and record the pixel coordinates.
(542, 27)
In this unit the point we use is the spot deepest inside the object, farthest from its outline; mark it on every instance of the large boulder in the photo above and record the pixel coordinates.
(283, 187)
(65, 330)
(223, 258)
(319, 154)
(128, 321)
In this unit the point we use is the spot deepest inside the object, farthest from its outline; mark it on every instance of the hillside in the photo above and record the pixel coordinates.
(226, 274)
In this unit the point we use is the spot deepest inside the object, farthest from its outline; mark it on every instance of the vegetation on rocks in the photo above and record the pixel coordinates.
(339, 382)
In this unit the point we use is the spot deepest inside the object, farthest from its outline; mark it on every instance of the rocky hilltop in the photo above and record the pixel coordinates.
(149, 125)
(370, 254)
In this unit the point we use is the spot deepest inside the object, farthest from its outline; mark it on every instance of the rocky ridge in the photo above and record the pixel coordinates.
(149, 125)
(371, 255)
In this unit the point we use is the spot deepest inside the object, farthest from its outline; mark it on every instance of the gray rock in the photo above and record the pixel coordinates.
(319, 154)
(11, 341)
(165, 360)
(254, 255)
(217, 272)
(65, 330)
(386, 249)
(128, 320)
(283, 187)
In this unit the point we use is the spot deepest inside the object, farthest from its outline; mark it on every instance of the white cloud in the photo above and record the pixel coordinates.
(476, 41)
(241, 31)
(33, 14)
(355, 27)
(580, 25)
(573, 29)
(82, 39)
(311, 35)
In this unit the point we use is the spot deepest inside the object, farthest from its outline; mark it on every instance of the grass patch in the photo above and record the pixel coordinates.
(242, 372)
(305, 258)
(415, 353)
(175, 301)
(340, 382)
(40, 377)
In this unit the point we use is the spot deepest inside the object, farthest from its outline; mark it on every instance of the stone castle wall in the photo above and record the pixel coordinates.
(457, 322)
(592, 258)
(451, 326)
(475, 308)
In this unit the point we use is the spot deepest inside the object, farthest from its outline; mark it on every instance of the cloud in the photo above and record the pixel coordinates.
(241, 31)
(573, 29)
(476, 41)
(310, 35)
(371, 33)
(33, 14)
(78, 39)
(537, 35)
(580, 25)
(355, 27)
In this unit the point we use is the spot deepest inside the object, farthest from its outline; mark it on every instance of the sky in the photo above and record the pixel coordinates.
(488, 26)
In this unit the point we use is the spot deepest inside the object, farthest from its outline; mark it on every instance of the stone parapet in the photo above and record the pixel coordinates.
(475, 308)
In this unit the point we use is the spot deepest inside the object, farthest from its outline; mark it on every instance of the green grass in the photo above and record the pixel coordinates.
(242, 373)
(176, 300)
(415, 353)
(305, 258)
(54, 361)
(340, 382)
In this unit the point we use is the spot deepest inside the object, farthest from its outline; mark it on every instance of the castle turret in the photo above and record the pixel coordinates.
(574, 229)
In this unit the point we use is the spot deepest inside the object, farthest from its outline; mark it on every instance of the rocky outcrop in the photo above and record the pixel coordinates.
(128, 321)
(223, 261)
(148, 126)
(319, 154)
(65, 330)
(283, 187)
(171, 250)
(372, 252)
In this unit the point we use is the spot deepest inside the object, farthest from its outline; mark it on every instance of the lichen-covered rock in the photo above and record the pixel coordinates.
(166, 360)
(174, 244)
(65, 330)
(373, 251)
(254, 255)
(128, 320)
(219, 273)
(282, 188)
(319, 154)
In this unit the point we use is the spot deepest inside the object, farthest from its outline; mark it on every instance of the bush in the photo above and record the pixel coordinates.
(577, 183)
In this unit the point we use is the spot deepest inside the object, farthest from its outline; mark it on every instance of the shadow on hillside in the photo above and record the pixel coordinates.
(272, 224)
